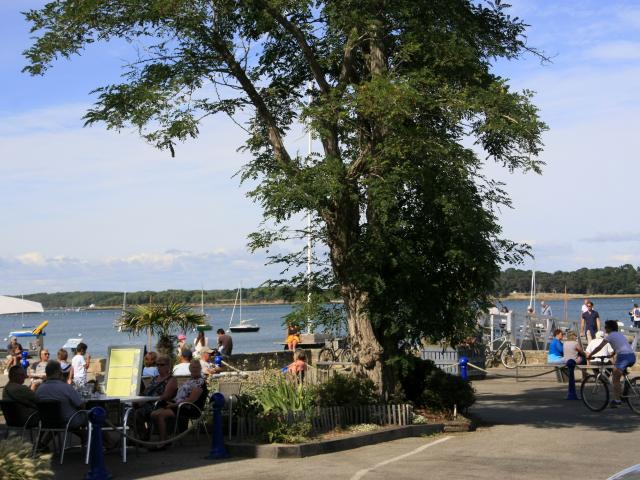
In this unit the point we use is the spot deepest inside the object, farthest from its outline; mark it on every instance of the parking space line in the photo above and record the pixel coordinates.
(361, 473)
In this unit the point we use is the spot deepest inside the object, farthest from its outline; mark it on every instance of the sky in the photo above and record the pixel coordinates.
(91, 209)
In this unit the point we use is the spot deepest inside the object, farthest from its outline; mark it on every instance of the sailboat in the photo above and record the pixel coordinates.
(243, 325)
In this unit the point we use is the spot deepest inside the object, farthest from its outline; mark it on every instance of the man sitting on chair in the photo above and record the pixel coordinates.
(56, 389)
(23, 397)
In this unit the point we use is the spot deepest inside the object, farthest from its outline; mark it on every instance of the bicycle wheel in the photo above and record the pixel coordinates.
(344, 355)
(632, 394)
(512, 356)
(594, 391)
(326, 355)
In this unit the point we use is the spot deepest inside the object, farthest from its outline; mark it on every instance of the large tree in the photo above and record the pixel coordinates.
(403, 101)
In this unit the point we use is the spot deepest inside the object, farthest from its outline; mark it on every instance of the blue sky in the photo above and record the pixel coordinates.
(83, 208)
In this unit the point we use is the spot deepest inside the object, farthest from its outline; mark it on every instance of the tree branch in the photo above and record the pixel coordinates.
(275, 137)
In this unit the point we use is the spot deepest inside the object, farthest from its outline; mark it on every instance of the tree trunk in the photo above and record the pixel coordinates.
(166, 346)
(368, 354)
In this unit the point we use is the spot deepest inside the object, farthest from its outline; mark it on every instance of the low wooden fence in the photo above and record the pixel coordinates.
(329, 418)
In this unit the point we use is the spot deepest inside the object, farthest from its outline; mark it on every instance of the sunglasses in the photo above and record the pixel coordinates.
(160, 364)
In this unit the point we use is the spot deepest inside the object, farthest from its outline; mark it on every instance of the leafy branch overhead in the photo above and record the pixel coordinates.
(399, 91)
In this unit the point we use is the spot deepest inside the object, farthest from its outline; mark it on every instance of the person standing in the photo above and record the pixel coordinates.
(635, 315)
(79, 365)
(590, 322)
(545, 309)
(225, 343)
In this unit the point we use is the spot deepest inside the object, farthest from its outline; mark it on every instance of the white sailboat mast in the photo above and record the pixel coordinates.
(532, 295)
(309, 245)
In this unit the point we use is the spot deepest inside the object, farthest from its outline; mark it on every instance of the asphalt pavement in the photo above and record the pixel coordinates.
(527, 430)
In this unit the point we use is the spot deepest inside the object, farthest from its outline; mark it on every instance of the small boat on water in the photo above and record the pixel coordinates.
(243, 325)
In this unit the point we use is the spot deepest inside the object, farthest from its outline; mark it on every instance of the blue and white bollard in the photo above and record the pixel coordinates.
(97, 470)
(571, 393)
(24, 363)
(462, 363)
(217, 439)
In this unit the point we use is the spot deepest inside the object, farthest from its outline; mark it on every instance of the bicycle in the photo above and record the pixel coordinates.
(510, 355)
(336, 350)
(594, 390)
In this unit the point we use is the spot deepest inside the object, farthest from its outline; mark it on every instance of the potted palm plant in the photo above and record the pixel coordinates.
(162, 320)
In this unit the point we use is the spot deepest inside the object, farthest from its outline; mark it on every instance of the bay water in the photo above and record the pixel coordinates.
(96, 327)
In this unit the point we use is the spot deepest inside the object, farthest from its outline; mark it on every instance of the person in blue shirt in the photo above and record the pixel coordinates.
(556, 352)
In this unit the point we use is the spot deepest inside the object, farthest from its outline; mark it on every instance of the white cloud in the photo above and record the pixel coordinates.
(32, 258)
(34, 272)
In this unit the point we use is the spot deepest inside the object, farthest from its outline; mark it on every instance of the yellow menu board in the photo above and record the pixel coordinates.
(124, 370)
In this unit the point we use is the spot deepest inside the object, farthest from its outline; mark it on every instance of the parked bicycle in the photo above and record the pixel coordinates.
(510, 355)
(595, 390)
(336, 350)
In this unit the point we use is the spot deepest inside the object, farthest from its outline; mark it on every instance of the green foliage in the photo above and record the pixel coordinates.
(276, 428)
(427, 386)
(397, 96)
(278, 293)
(586, 281)
(346, 390)
(286, 395)
(160, 320)
(16, 462)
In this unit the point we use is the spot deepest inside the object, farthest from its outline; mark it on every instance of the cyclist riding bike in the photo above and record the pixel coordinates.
(625, 357)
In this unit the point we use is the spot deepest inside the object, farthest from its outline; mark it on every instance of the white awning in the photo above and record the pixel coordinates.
(9, 305)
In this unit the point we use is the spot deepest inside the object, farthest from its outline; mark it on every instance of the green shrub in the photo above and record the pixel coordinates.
(342, 390)
(425, 385)
(276, 429)
(16, 462)
(287, 395)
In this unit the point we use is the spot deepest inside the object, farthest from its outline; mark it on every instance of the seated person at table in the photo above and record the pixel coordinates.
(55, 388)
(572, 349)
(182, 368)
(150, 369)
(163, 385)
(208, 367)
(23, 396)
(300, 363)
(16, 356)
(556, 352)
(38, 375)
(63, 356)
(192, 391)
(11, 346)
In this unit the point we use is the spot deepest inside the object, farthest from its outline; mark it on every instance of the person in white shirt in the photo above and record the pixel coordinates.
(182, 369)
(604, 353)
(545, 309)
(625, 357)
(79, 365)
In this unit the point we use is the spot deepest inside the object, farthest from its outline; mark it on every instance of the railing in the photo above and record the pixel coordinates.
(329, 418)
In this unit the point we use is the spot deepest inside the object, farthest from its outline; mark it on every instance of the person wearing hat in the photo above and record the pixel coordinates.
(208, 366)
(604, 354)
(182, 342)
(182, 368)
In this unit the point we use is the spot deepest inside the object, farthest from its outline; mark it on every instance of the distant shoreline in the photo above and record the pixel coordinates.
(194, 305)
(561, 296)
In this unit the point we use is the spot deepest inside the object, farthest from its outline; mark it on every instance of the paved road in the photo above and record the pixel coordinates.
(529, 431)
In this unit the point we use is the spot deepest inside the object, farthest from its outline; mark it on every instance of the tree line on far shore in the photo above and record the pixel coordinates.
(588, 281)
(281, 293)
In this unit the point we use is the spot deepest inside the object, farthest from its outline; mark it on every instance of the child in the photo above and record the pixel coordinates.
(300, 363)
(79, 366)
(63, 355)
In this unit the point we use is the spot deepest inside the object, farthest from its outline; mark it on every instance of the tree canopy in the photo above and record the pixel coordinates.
(403, 101)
